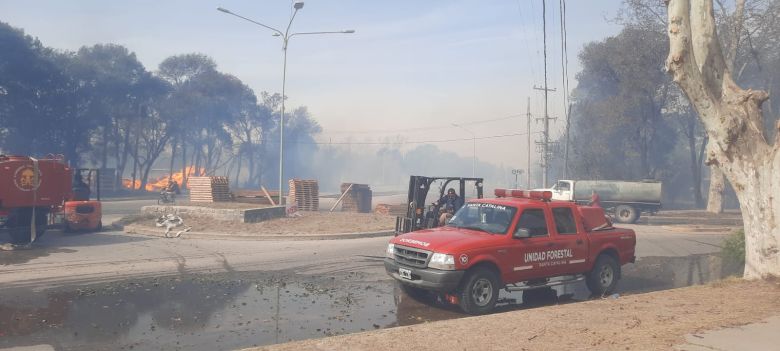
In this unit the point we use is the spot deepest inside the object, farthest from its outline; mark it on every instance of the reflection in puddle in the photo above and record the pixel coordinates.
(235, 310)
(196, 312)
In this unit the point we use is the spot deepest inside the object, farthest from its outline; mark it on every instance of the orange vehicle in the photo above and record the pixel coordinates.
(80, 213)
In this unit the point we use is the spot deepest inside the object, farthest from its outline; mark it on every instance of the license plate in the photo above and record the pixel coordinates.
(405, 273)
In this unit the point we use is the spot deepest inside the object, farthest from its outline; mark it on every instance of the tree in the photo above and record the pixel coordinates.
(620, 131)
(734, 122)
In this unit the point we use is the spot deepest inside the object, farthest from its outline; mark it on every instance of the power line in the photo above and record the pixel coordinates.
(400, 142)
(545, 142)
(523, 22)
(391, 131)
(565, 78)
(564, 54)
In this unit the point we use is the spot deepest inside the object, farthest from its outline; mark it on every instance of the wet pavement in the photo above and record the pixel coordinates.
(228, 311)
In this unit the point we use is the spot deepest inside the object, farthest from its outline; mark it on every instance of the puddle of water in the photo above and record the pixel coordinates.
(196, 312)
(235, 310)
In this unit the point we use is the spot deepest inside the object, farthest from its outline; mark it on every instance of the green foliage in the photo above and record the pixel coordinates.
(620, 130)
(734, 248)
(101, 105)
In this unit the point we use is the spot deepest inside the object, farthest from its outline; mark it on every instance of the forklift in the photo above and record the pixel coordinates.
(417, 217)
(84, 212)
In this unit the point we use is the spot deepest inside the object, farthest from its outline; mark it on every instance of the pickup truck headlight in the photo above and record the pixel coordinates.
(442, 261)
(390, 252)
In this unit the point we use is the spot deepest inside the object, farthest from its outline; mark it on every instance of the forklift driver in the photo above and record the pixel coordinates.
(450, 200)
(81, 190)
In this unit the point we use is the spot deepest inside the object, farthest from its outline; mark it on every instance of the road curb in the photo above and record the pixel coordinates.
(146, 231)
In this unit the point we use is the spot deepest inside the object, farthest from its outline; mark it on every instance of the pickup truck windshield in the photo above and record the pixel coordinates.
(490, 218)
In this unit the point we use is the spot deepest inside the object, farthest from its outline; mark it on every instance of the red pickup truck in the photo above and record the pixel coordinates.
(520, 240)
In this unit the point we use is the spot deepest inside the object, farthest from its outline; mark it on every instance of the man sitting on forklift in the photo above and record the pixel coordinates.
(81, 190)
(450, 200)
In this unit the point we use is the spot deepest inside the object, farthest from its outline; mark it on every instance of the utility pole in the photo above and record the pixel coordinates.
(528, 160)
(545, 142)
(566, 146)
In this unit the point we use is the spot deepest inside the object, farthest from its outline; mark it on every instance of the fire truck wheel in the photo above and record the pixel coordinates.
(99, 226)
(604, 276)
(21, 235)
(479, 291)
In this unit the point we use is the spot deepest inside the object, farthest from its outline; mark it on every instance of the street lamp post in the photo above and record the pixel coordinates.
(286, 36)
(517, 172)
(474, 149)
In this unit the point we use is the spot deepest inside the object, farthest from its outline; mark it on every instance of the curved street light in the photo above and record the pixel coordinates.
(286, 36)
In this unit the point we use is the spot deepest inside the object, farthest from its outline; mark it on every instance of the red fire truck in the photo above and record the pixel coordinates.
(34, 192)
(520, 240)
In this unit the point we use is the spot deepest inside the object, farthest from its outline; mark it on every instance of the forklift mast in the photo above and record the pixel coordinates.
(419, 187)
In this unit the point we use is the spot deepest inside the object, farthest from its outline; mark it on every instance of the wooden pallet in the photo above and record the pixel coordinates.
(358, 199)
(306, 193)
(256, 196)
(209, 189)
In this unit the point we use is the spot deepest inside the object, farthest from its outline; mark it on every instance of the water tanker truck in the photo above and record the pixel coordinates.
(626, 200)
(35, 191)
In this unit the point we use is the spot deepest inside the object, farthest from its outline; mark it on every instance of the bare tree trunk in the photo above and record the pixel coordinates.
(238, 170)
(173, 158)
(184, 174)
(135, 159)
(695, 163)
(733, 120)
(717, 188)
(104, 149)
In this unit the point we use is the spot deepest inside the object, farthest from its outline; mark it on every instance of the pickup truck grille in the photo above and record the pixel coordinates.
(411, 256)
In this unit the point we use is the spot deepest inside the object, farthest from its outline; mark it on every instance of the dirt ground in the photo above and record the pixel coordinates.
(652, 321)
(225, 205)
(307, 223)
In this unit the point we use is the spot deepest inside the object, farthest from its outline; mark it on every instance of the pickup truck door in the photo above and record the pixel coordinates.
(527, 256)
(571, 241)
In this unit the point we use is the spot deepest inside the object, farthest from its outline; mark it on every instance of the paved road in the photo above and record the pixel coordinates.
(114, 255)
(64, 291)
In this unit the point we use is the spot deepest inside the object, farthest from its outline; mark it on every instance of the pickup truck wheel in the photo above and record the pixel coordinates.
(604, 276)
(626, 214)
(479, 291)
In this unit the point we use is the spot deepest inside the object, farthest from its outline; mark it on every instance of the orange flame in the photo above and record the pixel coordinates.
(161, 182)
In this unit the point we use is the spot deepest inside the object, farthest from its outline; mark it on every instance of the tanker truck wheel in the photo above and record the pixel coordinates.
(626, 214)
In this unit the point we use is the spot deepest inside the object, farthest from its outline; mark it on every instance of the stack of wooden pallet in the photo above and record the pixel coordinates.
(306, 193)
(358, 198)
(209, 189)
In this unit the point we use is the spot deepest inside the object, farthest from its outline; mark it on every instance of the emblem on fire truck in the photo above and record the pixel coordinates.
(24, 178)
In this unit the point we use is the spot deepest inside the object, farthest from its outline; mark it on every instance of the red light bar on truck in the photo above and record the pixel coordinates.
(524, 194)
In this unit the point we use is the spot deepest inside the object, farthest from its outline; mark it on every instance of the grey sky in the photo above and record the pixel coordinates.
(410, 64)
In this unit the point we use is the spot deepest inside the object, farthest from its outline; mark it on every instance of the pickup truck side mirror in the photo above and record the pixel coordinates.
(521, 233)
